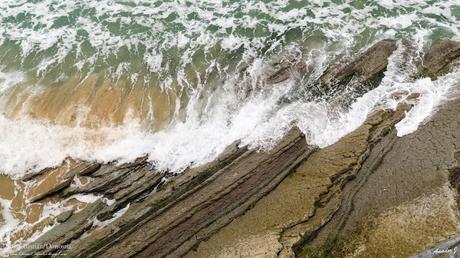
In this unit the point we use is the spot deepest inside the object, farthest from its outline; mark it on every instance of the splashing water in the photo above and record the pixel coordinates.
(180, 80)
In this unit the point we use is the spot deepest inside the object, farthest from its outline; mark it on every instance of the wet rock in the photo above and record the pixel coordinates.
(33, 212)
(193, 205)
(49, 183)
(109, 179)
(441, 54)
(133, 193)
(366, 66)
(29, 230)
(152, 204)
(290, 65)
(137, 162)
(63, 217)
(63, 234)
(302, 203)
(30, 176)
(7, 187)
(85, 168)
(121, 185)
(57, 179)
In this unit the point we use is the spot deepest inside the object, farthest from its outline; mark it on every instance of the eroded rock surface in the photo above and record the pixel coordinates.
(366, 66)
(291, 65)
(302, 203)
(441, 54)
(174, 221)
(159, 222)
(371, 194)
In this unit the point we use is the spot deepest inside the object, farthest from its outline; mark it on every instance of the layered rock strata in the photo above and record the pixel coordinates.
(370, 194)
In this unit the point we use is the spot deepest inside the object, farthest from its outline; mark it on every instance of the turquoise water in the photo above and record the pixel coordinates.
(181, 80)
(168, 41)
(193, 73)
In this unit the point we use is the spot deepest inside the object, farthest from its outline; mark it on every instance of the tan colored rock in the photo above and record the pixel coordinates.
(33, 212)
(408, 227)
(301, 203)
(366, 66)
(441, 54)
(49, 183)
(403, 199)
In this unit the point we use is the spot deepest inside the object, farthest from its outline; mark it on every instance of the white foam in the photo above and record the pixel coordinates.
(432, 95)
(222, 116)
(13, 225)
(10, 223)
(339, 22)
(9, 80)
(88, 198)
(259, 121)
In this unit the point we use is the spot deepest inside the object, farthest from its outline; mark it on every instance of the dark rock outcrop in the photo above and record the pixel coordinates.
(288, 65)
(159, 222)
(204, 206)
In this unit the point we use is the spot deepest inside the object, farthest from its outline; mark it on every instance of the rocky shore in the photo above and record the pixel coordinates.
(371, 194)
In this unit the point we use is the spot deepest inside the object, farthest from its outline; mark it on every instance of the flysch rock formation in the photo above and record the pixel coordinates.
(371, 194)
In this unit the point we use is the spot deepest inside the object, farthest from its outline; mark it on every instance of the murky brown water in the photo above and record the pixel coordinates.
(92, 102)
(31, 216)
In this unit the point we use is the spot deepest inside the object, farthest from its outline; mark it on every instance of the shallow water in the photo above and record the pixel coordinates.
(180, 80)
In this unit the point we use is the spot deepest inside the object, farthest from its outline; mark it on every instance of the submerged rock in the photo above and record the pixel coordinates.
(289, 66)
(351, 198)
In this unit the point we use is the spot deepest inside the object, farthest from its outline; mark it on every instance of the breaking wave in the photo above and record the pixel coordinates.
(180, 81)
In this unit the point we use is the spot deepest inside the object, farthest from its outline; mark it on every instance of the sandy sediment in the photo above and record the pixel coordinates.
(369, 194)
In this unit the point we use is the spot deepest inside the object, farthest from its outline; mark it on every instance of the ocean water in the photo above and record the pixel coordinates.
(181, 80)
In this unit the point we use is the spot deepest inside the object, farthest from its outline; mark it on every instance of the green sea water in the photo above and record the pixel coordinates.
(177, 41)
(179, 81)
(197, 60)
